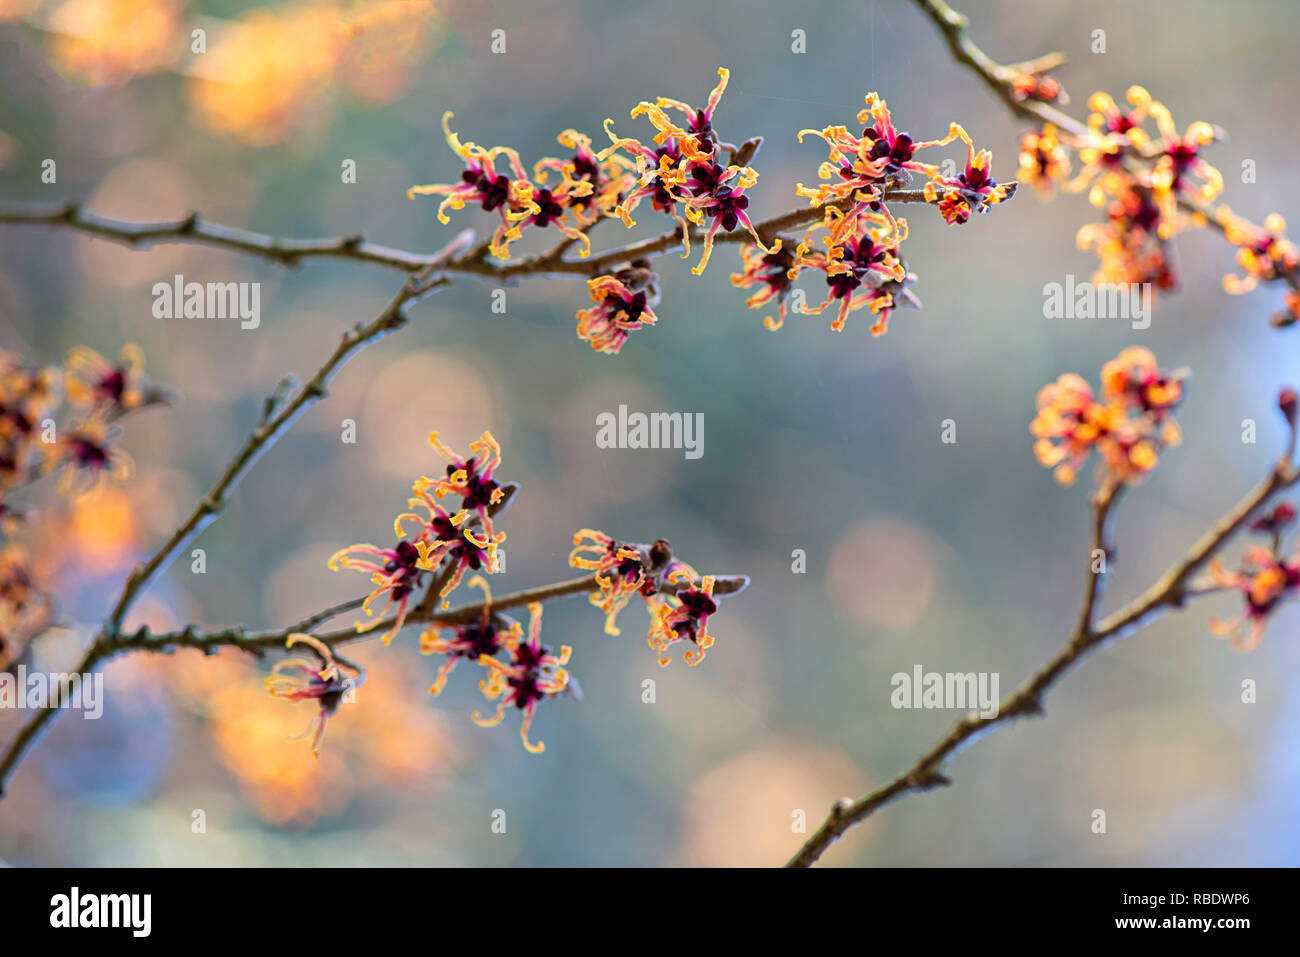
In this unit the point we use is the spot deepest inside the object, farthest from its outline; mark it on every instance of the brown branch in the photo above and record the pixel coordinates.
(260, 642)
(469, 262)
(195, 229)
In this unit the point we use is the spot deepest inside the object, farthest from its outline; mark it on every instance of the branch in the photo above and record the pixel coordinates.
(258, 643)
(195, 229)
(469, 262)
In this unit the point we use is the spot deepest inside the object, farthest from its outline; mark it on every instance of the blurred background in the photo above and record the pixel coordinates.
(957, 557)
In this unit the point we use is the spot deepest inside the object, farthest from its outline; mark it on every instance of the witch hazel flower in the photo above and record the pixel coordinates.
(1180, 168)
(859, 167)
(659, 174)
(683, 171)
(27, 395)
(697, 140)
(859, 264)
(774, 272)
(1109, 117)
(1132, 244)
(25, 610)
(471, 478)
(1264, 253)
(481, 184)
(717, 200)
(95, 381)
(1128, 424)
(684, 616)
(395, 572)
(623, 303)
(590, 188)
(1265, 580)
(453, 538)
(972, 190)
(607, 178)
(623, 570)
(87, 459)
(459, 541)
(1044, 161)
(320, 679)
(472, 641)
(531, 676)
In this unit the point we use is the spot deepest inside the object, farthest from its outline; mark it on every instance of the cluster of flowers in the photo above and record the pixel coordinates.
(1264, 255)
(627, 569)
(454, 542)
(861, 260)
(587, 187)
(97, 391)
(447, 544)
(529, 675)
(683, 174)
(92, 393)
(520, 670)
(1129, 423)
(1140, 179)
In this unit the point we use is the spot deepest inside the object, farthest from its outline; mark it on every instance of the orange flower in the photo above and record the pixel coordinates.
(1129, 425)
(321, 680)
(117, 387)
(87, 460)
(1043, 160)
(684, 617)
(973, 190)
(531, 676)
(623, 304)
(1265, 580)
(1263, 253)
(472, 641)
(774, 271)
